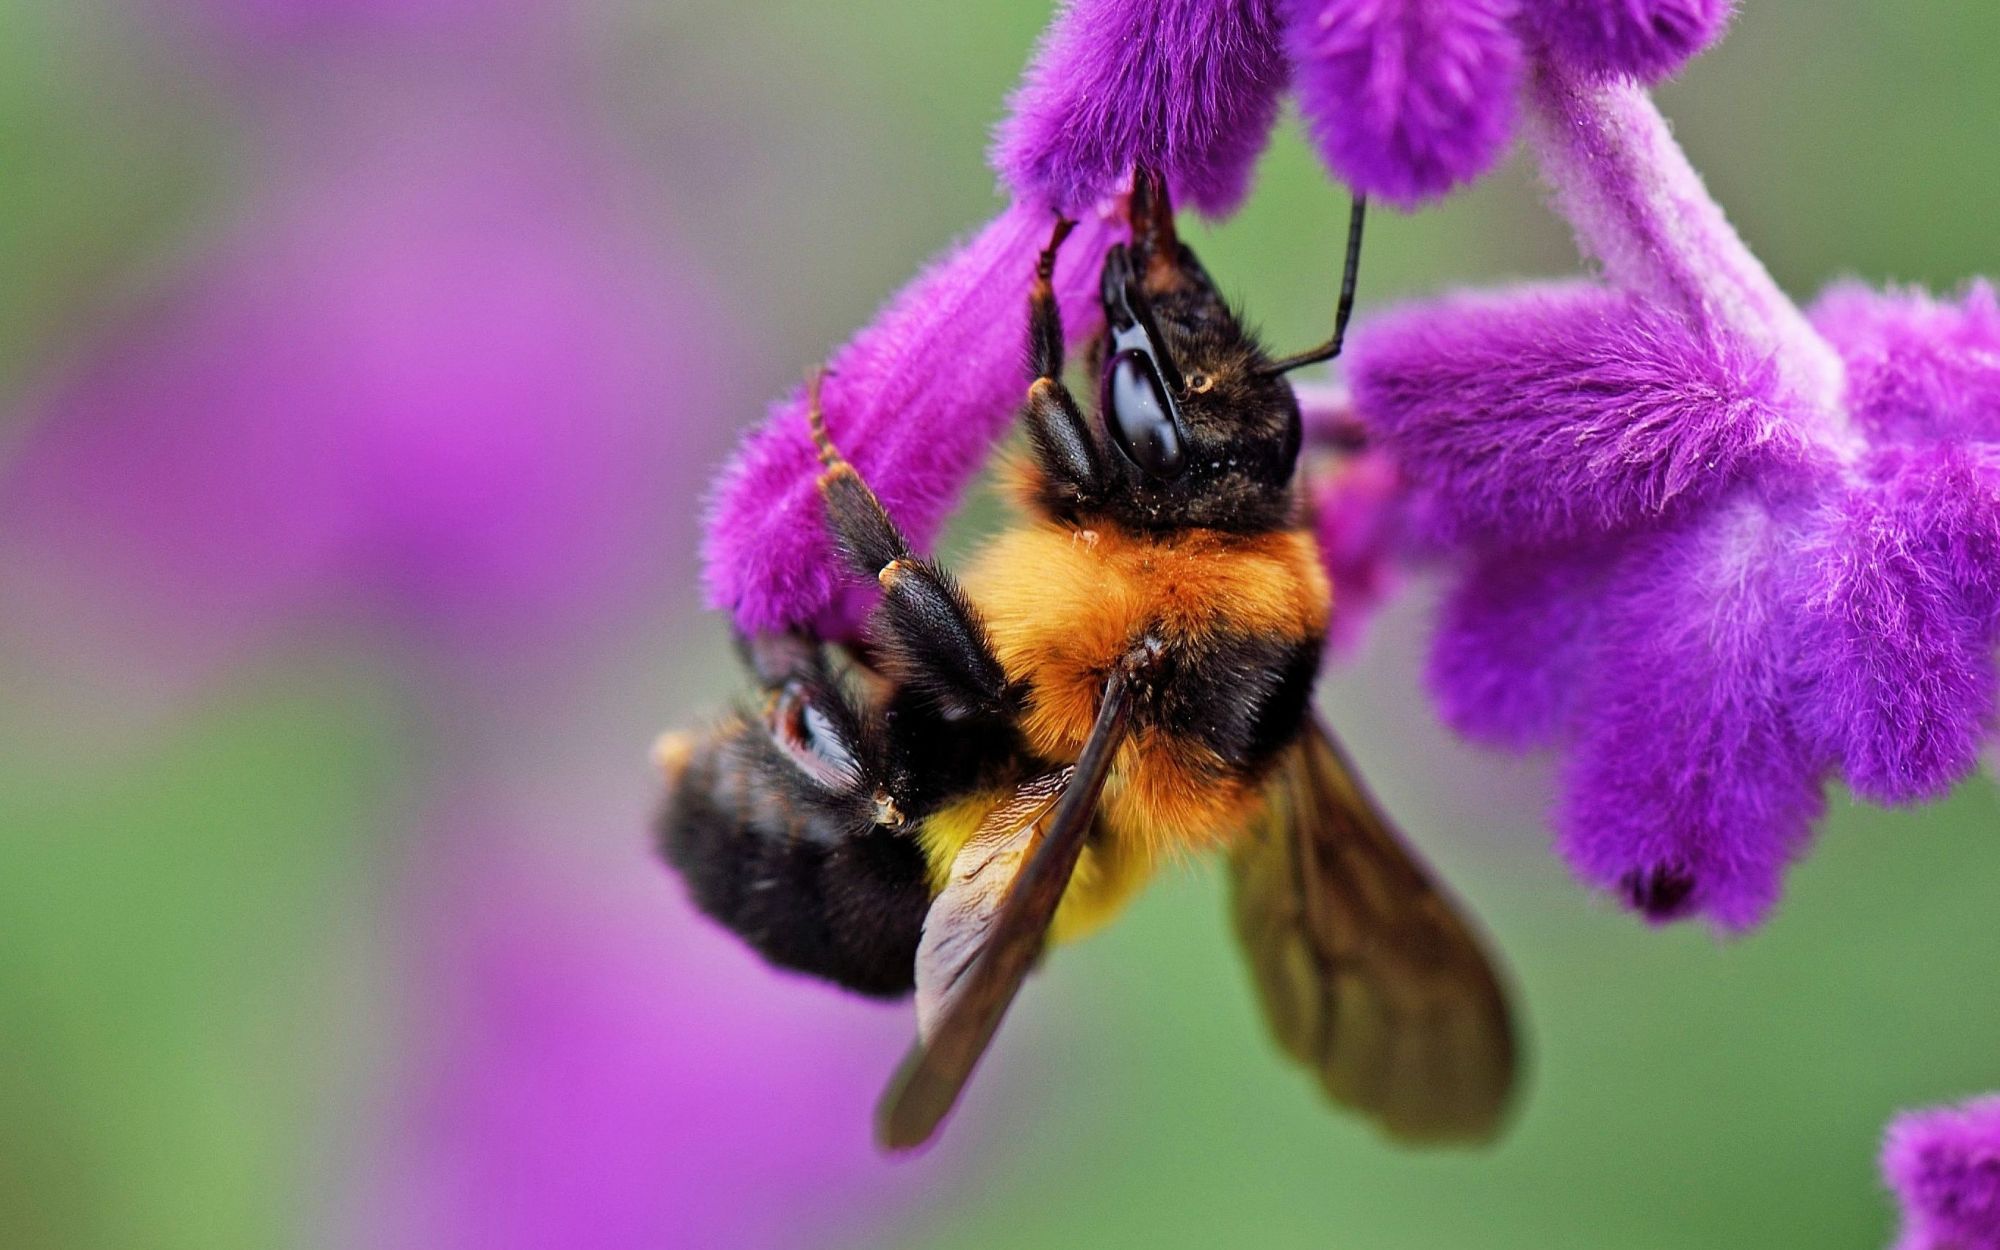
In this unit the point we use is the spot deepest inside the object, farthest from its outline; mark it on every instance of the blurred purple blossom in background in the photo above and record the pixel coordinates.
(431, 362)
(1710, 550)
(442, 366)
(1361, 509)
(606, 1071)
(1944, 1164)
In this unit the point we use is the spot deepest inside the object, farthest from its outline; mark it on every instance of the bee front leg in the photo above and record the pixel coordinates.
(1056, 426)
(932, 638)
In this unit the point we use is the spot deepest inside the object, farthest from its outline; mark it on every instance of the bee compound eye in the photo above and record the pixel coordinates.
(1140, 418)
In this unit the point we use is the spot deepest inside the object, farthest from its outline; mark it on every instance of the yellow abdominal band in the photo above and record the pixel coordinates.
(1107, 874)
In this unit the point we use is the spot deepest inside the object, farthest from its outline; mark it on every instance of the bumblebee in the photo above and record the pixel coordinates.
(1122, 677)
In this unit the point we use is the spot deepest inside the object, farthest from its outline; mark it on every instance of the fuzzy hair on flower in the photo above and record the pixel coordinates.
(1409, 99)
(1710, 549)
(1647, 40)
(1944, 1164)
(1188, 87)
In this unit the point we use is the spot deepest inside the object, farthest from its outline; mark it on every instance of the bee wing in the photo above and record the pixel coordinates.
(1368, 974)
(937, 1067)
(961, 919)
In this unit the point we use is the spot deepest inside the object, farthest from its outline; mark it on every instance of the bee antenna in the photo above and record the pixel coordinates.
(1344, 310)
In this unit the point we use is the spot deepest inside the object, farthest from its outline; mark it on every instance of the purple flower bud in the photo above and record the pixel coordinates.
(1944, 1163)
(1405, 99)
(914, 401)
(1644, 39)
(1562, 411)
(1189, 87)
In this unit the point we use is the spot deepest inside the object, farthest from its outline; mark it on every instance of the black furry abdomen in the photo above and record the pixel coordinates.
(805, 892)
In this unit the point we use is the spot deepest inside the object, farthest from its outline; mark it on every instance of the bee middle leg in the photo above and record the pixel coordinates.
(932, 637)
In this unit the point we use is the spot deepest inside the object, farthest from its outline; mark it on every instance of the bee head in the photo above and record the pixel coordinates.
(1198, 428)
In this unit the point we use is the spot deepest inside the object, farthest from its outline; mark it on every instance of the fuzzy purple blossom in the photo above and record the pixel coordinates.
(1712, 551)
(1944, 1163)
(424, 372)
(1188, 87)
(1405, 99)
(1644, 39)
(1552, 413)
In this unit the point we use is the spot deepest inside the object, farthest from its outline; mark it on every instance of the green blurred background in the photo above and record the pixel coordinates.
(233, 916)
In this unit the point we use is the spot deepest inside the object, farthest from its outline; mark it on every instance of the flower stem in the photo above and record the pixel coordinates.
(1640, 208)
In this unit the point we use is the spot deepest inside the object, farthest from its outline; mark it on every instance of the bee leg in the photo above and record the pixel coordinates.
(1045, 337)
(766, 854)
(930, 634)
(1056, 426)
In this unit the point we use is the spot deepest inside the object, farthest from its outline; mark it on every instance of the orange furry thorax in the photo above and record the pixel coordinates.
(1062, 603)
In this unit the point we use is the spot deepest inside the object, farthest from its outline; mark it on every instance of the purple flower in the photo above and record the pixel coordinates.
(1405, 99)
(1644, 39)
(601, 1070)
(1552, 413)
(1710, 550)
(428, 370)
(1944, 1163)
(1361, 513)
(1189, 87)
(914, 401)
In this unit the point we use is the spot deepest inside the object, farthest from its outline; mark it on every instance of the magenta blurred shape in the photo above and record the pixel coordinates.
(309, 20)
(432, 366)
(604, 1072)
(1358, 503)
(1363, 512)
(1944, 1164)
